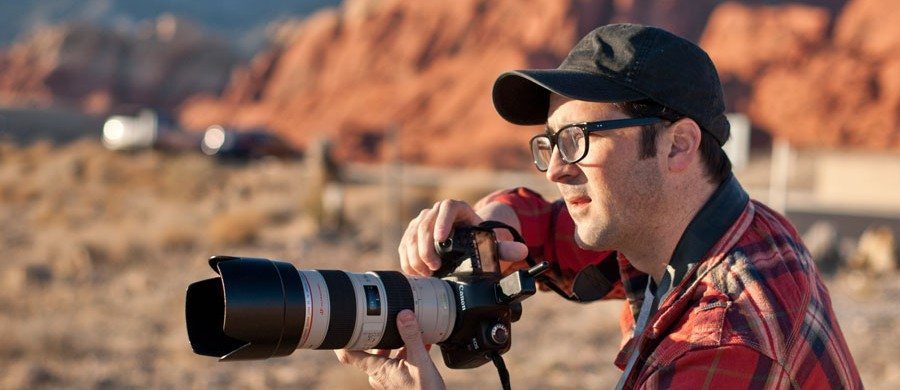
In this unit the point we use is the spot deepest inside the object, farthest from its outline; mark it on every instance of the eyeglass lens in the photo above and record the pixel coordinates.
(570, 142)
(541, 149)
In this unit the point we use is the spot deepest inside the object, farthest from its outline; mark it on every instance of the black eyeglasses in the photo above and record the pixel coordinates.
(572, 140)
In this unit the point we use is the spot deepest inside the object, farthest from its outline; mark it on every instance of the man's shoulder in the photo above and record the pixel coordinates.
(769, 281)
(767, 254)
(754, 288)
(758, 292)
(775, 300)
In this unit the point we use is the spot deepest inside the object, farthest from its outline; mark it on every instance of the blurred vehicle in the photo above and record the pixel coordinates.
(124, 132)
(147, 129)
(242, 144)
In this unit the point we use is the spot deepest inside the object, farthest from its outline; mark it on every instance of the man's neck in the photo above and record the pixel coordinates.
(651, 248)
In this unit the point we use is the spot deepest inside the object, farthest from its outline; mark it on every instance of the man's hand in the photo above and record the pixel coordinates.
(411, 369)
(417, 254)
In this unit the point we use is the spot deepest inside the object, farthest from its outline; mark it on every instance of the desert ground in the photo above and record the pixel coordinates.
(98, 248)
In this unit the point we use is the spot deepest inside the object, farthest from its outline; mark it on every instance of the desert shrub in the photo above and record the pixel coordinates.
(189, 177)
(177, 237)
(114, 250)
(277, 209)
(468, 194)
(235, 228)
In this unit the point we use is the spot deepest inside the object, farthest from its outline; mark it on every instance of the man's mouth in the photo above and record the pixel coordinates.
(578, 201)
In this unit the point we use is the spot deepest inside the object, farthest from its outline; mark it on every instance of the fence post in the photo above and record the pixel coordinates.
(779, 175)
(392, 176)
(325, 200)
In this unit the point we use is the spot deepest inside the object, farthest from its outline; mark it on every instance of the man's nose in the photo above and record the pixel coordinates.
(559, 171)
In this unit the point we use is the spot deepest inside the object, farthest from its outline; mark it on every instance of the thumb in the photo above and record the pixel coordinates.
(512, 250)
(409, 330)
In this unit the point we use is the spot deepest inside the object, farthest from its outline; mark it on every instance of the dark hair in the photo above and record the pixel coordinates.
(715, 161)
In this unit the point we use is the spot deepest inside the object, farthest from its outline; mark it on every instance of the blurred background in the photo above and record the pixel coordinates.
(139, 138)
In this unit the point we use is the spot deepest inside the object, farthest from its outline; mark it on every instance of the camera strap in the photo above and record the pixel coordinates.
(590, 284)
(528, 259)
(495, 357)
(518, 238)
(501, 369)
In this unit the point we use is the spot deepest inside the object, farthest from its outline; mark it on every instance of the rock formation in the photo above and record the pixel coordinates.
(422, 71)
(412, 79)
(95, 68)
(814, 79)
(818, 73)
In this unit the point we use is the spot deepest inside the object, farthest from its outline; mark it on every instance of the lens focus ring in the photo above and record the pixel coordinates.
(343, 309)
(399, 297)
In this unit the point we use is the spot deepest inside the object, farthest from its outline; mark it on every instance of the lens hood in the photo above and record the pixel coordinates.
(253, 310)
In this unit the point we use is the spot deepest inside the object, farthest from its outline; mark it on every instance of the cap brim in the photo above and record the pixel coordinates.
(523, 96)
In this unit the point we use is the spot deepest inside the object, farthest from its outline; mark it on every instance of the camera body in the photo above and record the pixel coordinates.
(487, 303)
(259, 308)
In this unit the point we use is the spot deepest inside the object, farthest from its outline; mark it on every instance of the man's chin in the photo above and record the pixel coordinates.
(587, 245)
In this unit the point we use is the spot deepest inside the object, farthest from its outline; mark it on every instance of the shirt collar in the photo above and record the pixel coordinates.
(706, 228)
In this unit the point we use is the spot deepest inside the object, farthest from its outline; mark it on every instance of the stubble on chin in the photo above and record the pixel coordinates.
(584, 245)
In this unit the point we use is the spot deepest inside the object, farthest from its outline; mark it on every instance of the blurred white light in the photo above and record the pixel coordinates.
(213, 139)
(113, 130)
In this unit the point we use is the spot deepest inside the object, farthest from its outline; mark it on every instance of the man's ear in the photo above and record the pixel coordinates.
(684, 136)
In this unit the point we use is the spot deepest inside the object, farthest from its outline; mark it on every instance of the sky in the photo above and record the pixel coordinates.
(241, 22)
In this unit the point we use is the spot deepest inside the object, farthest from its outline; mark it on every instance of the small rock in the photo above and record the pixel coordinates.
(822, 241)
(38, 274)
(24, 375)
(876, 251)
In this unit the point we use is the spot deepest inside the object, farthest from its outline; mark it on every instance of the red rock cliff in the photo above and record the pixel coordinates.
(815, 80)
(422, 68)
(820, 73)
(159, 65)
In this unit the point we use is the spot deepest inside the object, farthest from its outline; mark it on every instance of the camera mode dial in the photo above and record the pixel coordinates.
(499, 334)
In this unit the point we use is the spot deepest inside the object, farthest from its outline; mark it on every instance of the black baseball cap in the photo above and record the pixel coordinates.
(620, 63)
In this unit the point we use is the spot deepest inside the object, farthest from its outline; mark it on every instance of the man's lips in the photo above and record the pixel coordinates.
(578, 200)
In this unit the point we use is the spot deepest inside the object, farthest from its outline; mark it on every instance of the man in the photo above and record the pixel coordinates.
(720, 290)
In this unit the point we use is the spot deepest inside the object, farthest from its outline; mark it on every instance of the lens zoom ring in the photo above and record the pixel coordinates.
(343, 309)
(399, 297)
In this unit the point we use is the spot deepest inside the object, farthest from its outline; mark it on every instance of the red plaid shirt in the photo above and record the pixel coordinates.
(752, 313)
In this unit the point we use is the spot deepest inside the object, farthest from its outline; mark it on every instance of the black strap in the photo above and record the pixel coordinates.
(544, 279)
(501, 369)
(595, 281)
(515, 233)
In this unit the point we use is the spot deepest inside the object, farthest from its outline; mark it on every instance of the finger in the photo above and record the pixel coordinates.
(451, 212)
(401, 353)
(412, 251)
(366, 362)
(409, 330)
(416, 268)
(425, 242)
(512, 250)
(404, 264)
(385, 353)
(407, 240)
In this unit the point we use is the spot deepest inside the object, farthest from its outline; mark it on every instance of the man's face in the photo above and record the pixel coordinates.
(611, 193)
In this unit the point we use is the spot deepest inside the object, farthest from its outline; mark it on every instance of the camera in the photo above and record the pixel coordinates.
(259, 308)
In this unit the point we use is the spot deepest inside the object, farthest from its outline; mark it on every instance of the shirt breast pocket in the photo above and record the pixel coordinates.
(708, 321)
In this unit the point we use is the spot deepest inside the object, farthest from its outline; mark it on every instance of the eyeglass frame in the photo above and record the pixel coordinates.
(587, 128)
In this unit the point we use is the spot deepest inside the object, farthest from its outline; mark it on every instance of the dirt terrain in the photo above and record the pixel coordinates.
(99, 247)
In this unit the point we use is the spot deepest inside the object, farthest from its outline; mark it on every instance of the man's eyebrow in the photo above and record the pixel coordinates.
(549, 130)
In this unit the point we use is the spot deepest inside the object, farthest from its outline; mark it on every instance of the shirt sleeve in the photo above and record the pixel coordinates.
(549, 230)
(725, 367)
